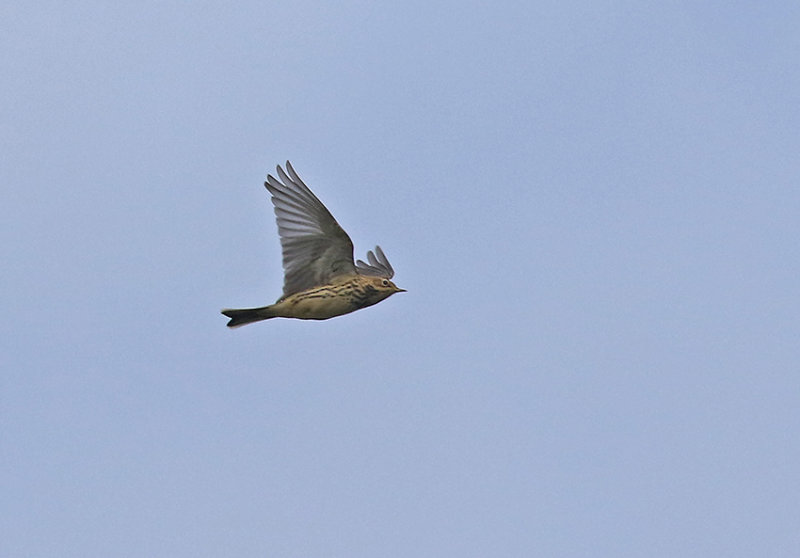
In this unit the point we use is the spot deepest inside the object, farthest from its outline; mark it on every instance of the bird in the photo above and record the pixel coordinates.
(321, 280)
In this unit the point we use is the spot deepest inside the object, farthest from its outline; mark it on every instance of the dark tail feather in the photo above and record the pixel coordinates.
(247, 315)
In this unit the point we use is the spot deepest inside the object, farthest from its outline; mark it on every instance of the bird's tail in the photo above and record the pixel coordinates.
(246, 316)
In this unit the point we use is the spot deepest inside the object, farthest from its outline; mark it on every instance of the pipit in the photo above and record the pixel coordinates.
(320, 279)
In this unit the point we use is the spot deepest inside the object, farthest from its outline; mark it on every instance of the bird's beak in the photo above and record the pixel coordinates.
(399, 290)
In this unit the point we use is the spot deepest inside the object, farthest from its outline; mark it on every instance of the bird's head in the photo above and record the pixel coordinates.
(382, 288)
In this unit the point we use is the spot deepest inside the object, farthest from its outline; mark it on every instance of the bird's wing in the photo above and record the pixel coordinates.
(378, 265)
(315, 248)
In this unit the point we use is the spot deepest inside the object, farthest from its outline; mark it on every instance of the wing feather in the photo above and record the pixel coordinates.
(315, 248)
(378, 265)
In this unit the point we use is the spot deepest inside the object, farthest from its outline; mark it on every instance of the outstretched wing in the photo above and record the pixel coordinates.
(378, 265)
(315, 248)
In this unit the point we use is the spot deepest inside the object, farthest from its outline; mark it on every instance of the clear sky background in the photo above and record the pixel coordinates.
(594, 206)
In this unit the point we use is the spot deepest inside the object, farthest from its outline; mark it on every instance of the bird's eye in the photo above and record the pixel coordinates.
(385, 283)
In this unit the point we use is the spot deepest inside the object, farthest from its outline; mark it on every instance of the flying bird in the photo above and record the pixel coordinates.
(320, 280)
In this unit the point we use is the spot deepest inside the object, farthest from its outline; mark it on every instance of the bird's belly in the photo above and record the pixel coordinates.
(315, 306)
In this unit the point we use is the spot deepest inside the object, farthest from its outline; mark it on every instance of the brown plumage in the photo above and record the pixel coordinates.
(321, 280)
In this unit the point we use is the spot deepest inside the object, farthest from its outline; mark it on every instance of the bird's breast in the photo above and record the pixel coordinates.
(320, 303)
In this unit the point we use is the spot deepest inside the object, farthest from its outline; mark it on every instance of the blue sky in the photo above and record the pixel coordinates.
(594, 206)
